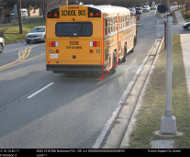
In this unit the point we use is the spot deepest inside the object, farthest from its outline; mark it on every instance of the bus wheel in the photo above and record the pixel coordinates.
(135, 43)
(125, 54)
(113, 70)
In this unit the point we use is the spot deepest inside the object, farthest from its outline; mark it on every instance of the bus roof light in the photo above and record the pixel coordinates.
(54, 13)
(97, 14)
(91, 14)
(50, 15)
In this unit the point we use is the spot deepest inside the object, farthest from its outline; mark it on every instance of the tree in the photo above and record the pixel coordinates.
(43, 5)
(19, 16)
(125, 3)
(10, 3)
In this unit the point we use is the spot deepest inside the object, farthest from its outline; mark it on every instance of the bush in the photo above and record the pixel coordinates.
(2, 32)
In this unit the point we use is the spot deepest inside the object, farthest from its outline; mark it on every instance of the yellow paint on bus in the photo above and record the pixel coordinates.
(88, 38)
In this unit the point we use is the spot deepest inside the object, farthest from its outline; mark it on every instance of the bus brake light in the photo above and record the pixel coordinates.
(53, 44)
(94, 44)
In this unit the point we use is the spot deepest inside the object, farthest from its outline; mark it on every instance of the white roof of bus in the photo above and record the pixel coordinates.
(108, 9)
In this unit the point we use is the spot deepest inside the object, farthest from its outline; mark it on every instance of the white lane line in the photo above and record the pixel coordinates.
(42, 89)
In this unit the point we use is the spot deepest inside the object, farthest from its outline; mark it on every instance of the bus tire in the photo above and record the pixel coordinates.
(113, 70)
(135, 43)
(125, 53)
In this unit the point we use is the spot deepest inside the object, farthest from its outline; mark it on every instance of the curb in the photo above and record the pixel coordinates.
(106, 133)
(125, 141)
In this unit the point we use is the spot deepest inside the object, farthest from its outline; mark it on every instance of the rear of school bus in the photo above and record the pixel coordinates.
(74, 39)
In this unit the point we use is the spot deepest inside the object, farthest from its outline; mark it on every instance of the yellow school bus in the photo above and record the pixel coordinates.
(89, 38)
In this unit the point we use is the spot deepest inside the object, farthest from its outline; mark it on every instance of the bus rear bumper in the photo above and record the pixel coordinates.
(82, 68)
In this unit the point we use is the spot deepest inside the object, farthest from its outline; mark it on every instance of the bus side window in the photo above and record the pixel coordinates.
(116, 23)
(106, 27)
(123, 21)
(112, 24)
(119, 22)
(126, 20)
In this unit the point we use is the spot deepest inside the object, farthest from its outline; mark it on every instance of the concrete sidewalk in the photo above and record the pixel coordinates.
(169, 142)
(185, 44)
(179, 17)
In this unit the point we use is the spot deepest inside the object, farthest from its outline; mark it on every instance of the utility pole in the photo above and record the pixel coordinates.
(168, 121)
(19, 16)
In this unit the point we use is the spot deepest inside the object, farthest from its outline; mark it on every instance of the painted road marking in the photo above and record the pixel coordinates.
(39, 91)
(22, 55)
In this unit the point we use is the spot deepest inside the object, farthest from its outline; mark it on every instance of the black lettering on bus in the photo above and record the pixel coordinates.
(81, 12)
(71, 13)
(68, 13)
(74, 42)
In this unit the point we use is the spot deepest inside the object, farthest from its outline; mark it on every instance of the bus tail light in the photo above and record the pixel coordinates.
(54, 13)
(53, 44)
(94, 44)
(93, 12)
(91, 51)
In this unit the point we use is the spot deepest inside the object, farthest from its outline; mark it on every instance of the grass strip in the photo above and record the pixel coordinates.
(11, 33)
(152, 108)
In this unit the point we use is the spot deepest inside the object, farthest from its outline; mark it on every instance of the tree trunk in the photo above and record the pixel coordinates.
(19, 16)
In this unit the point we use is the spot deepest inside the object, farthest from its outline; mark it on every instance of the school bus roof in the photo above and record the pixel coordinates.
(109, 9)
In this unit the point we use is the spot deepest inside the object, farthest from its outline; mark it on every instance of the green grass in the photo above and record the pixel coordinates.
(174, 17)
(11, 33)
(153, 105)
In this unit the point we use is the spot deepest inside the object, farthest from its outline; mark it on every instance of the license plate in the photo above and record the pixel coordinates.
(54, 55)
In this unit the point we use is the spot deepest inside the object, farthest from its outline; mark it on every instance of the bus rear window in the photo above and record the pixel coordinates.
(71, 29)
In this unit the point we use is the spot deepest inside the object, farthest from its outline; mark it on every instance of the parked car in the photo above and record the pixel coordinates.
(133, 11)
(37, 34)
(146, 8)
(14, 15)
(187, 26)
(2, 44)
(139, 10)
(153, 7)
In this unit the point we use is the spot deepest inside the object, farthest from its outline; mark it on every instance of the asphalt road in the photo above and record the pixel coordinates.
(40, 109)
